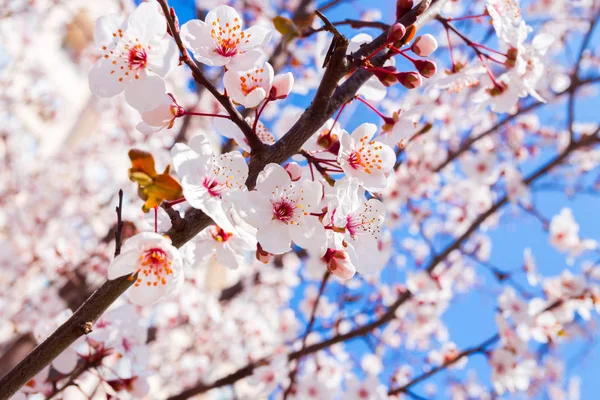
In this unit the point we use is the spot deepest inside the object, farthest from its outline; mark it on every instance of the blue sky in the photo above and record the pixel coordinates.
(470, 318)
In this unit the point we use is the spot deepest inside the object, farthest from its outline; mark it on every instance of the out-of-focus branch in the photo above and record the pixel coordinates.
(465, 353)
(466, 145)
(311, 322)
(575, 76)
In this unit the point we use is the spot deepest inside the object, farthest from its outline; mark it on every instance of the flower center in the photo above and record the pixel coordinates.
(354, 160)
(137, 57)
(283, 210)
(227, 47)
(251, 81)
(220, 235)
(213, 186)
(154, 267)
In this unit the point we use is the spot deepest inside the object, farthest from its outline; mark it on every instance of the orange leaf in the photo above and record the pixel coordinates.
(143, 162)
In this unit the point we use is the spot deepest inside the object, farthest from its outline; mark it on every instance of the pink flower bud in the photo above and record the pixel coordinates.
(339, 264)
(263, 256)
(511, 57)
(396, 32)
(426, 68)
(282, 86)
(387, 78)
(424, 45)
(410, 80)
(294, 170)
(402, 7)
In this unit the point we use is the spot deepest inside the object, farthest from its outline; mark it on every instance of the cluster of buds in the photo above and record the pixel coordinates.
(423, 46)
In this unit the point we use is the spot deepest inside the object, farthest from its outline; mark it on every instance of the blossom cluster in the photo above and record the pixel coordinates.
(380, 228)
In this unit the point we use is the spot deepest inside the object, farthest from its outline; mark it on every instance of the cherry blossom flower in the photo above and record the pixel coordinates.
(219, 40)
(132, 51)
(370, 389)
(208, 178)
(249, 87)
(281, 211)
(154, 264)
(358, 223)
(509, 373)
(228, 248)
(268, 377)
(366, 160)
(448, 353)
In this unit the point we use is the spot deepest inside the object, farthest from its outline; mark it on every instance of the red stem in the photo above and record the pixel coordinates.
(206, 115)
(386, 119)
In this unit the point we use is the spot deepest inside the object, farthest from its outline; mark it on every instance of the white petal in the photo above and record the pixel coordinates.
(212, 206)
(366, 130)
(312, 192)
(124, 264)
(66, 361)
(271, 179)
(246, 60)
(102, 83)
(228, 258)
(223, 15)
(144, 295)
(146, 23)
(145, 93)
(163, 58)
(253, 207)
(188, 163)
(255, 36)
(309, 234)
(106, 26)
(274, 237)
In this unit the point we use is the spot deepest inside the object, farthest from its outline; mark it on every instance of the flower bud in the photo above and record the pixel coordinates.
(294, 170)
(410, 80)
(339, 264)
(261, 255)
(511, 57)
(426, 68)
(282, 86)
(402, 7)
(396, 32)
(424, 45)
(388, 79)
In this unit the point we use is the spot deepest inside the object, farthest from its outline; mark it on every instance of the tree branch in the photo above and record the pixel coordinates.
(328, 99)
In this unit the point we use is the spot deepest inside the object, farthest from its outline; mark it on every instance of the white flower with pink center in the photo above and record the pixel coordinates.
(364, 159)
(249, 87)
(281, 211)
(219, 40)
(207, 178)
(153, 263)
(132, 51)
(358, 222)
